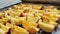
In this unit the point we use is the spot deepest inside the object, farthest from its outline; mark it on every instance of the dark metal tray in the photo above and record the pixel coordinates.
(44, 1)
(56, 31)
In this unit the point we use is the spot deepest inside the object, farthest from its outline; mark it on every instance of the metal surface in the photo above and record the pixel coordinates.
(45, 1)
(5, 3)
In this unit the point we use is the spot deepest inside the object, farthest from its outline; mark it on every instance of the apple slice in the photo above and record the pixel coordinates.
(46, 27)
(31, 27)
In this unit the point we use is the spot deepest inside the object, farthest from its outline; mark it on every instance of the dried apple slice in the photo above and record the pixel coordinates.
(31, 27)
(9, 25)
(17, 20)
(46, 27)
(33, 30)
(50, 21)
(3, 27)
(33, 19)
(17, 30)
(36, 7)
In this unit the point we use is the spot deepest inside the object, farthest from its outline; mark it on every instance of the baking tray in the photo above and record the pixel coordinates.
(56, 31)
(44, 1)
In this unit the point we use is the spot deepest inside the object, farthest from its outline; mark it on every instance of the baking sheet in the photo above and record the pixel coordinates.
(56, 31)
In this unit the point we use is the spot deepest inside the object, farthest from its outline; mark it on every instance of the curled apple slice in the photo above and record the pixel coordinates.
(3, 27)
(46, 27)
(17, 30)
(31, 27)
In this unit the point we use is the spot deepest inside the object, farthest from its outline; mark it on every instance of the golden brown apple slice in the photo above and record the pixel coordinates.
(33, 30)
(46, 27)
(31, 27)
(49, 21)
(33, 19)
(17, 30)
(17, 20)
(5, 28)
